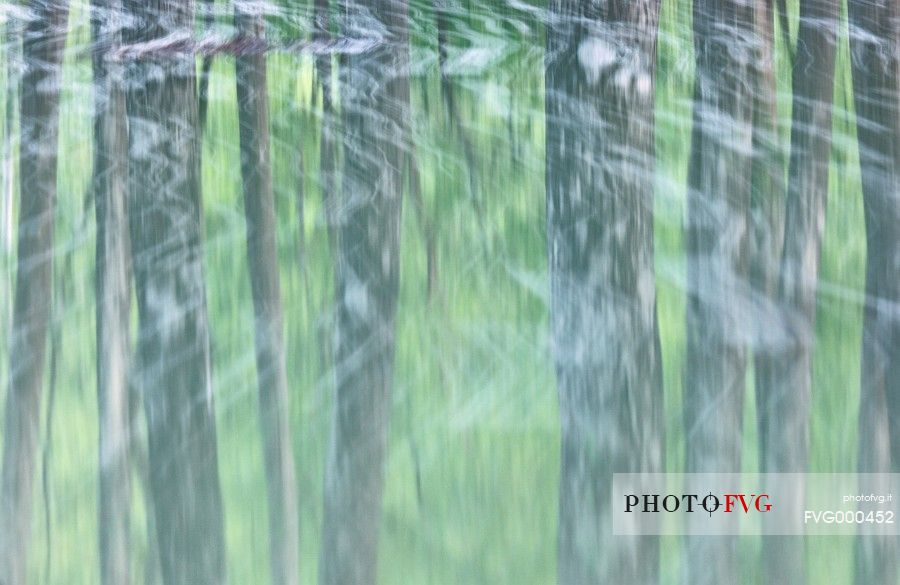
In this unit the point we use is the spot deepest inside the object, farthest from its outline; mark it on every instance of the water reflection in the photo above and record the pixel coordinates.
(618, 216)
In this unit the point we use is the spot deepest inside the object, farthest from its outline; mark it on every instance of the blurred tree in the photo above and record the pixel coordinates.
(173, 342)
(113, 295)
(12, 48)
(327, 146)
(768, 190)
(43, 42)
(599, 181)
(717, 242)
(785, 386)
(208, 8)
(875, 50)
(374, 116)
(262, 252)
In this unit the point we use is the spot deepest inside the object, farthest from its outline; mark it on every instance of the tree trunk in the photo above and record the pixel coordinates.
(785, 387)
(768, 192)
(209, 7)
(11, 53)
(321, 33)
(259, 207)
(875, 47)
(600, 179)
(717, 241)
(173, 342)
(113, 291)
(327, 147)
(44, 40)
(375, 112)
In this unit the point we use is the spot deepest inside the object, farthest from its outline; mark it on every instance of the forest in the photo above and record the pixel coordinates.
(385, 291)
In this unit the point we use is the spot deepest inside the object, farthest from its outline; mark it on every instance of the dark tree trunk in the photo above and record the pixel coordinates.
(785, 405)
(11, 53)
(321, 22)
(322, 33)
(113, 291)
(600, 177)
(768, 192)
(208, 9)
(259, 207)
(327, 147)
(375, 112)
(442, 21)
(166, 238)
(875, 48)
(785, 387)
(43, 44)
(717, 241)
(457, 127)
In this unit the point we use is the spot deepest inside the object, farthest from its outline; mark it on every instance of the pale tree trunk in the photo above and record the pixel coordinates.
(786, 386)
(717, 241)
(43, 43)
(875, 48)
(375, 112)
(113, 292)
(262, 252)
(599, 179)
(173, 342)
